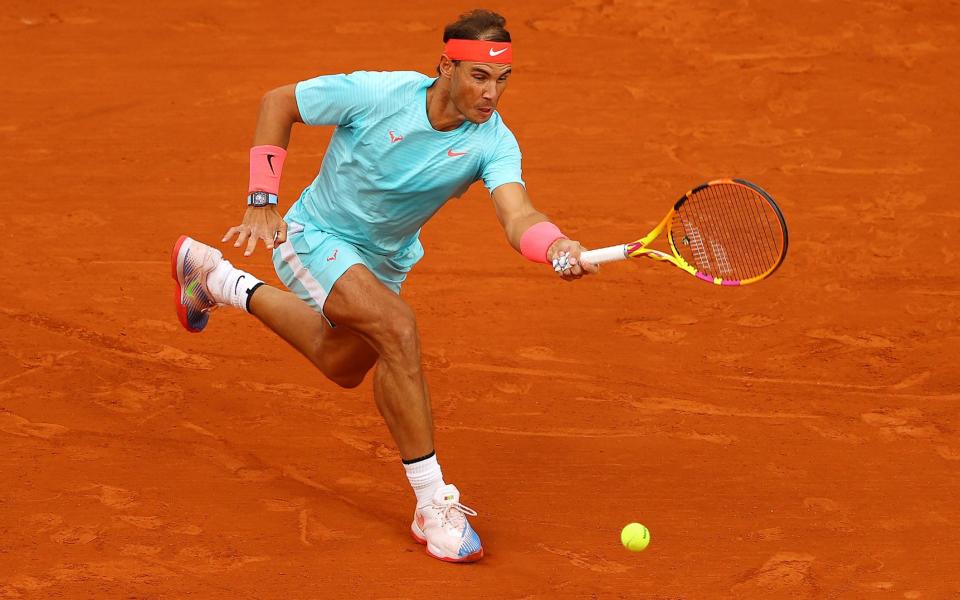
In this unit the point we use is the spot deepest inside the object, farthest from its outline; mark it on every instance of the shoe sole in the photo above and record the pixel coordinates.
(463, 559)
(176, 268)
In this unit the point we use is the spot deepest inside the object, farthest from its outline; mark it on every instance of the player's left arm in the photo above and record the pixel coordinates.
(525, 227)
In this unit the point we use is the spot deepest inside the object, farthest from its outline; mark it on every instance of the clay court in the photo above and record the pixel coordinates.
(793, 439)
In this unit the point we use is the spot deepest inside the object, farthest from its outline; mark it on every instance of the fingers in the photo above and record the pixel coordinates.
(589, 267)
(248, 236)
(281, 236)
(571, 267)
(251, 244)
(567, 266)
(230, 233)
(574, 272)
(243, 232)
(568, 263)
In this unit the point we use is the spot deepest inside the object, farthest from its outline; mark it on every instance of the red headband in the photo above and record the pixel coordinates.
(479, 51)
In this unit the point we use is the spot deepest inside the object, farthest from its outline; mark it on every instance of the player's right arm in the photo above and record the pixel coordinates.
(278, 113)
(342, 100)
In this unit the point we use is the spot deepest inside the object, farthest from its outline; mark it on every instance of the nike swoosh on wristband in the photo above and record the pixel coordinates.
(498, 52)
(237, 284)
(270, 162)
(451, 153)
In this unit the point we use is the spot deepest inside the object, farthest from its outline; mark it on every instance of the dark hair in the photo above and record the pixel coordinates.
(478, 24)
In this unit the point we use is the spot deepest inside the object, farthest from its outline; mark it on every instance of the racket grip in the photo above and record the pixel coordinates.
(605, 255)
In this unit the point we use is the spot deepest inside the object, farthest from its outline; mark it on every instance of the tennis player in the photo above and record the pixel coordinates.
(404, 144)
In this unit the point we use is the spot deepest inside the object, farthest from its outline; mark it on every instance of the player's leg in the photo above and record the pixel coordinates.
(340, 354)
(376, 322)
(372, 320)
(205, 279)
(361, 302)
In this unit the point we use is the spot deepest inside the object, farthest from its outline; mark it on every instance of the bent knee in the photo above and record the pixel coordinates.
(348, 380)
(399, 331)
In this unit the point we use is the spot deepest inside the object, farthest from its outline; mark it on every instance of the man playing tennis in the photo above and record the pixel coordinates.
(404, 144)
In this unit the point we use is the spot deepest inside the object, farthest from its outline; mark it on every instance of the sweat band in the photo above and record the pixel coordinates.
(479, 51)
(266, 164)
(536, 240)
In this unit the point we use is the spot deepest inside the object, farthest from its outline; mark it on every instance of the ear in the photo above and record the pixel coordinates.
(446, 66)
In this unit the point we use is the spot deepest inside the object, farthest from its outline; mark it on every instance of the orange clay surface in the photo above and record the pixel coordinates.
(795, 439)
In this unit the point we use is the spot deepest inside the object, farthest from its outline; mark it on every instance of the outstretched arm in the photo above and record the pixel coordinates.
(517, 215)
(278, 113)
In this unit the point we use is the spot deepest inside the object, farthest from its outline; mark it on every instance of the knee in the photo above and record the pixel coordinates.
(346, 366)
(348, 380)
(399, 333)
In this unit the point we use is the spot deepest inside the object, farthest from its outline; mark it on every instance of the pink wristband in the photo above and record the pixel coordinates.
(536, 240)
(266, 164)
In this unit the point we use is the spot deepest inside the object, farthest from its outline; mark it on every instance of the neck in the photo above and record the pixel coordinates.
(441, 111)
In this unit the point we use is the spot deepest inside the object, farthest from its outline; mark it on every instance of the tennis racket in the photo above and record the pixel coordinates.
(725, 232)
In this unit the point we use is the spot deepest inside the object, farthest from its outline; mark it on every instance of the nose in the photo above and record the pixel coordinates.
(490, 90)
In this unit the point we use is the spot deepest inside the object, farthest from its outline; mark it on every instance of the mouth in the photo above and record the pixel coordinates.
(485, 111)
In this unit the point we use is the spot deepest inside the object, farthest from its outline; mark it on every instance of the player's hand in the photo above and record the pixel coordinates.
(565, 256)
(259, 223)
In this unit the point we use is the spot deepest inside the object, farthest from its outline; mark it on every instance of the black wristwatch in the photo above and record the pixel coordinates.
(260, 199)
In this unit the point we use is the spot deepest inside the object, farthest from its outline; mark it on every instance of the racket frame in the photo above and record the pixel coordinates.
(639, 247)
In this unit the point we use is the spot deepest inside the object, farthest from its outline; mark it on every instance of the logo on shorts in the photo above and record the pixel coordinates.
(394, 138)
(334, 255)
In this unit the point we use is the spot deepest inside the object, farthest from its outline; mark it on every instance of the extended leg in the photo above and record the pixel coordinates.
(204, 280)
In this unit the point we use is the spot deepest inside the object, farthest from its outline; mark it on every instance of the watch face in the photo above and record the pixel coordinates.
(259, 199)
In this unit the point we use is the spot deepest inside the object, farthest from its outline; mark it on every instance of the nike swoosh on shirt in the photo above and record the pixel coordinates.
(498, 52)
(450, 152)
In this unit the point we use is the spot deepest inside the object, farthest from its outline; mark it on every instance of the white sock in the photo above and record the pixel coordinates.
(229, 285)
(425, 477)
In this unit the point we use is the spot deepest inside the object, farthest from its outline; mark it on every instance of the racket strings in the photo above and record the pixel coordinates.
(728, 231)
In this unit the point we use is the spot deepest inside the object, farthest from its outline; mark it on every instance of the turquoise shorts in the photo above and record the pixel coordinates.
(312, 260)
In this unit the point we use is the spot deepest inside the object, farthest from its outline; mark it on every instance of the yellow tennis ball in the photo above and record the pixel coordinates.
(635, 537)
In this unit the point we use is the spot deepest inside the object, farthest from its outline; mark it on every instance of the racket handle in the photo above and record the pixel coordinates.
(605, 255)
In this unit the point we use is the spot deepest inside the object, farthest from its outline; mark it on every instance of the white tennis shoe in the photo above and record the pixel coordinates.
(443, 527)
(205, 280)
(192, 263)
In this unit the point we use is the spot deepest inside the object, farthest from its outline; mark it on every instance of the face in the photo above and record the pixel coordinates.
(475, 88)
